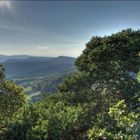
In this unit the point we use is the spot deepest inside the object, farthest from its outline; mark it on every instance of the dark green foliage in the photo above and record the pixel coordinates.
(2, 75)
(50, 84)
(104, 77)
(122, 48)
(101, 101)
(43, 122)
(106, 62)
(11, 100)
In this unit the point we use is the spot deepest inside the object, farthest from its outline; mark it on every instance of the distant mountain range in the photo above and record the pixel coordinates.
(24, 65)
(14, 58)
(37, 74)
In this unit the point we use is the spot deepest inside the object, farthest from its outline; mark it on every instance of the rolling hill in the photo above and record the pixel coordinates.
(37, 74)
(16, 66)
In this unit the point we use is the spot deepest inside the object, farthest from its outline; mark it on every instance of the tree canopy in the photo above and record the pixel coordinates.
(100, 101)
(11, 99)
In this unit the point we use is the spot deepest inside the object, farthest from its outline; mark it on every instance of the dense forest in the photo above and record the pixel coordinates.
(100, 101)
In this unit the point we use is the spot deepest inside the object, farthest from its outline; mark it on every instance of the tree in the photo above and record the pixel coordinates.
(2, 75)
(107, 63)
(104, 78)
(11, 99)
(100, 101)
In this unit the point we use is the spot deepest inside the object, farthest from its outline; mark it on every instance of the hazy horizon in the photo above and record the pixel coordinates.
(59, 28)
(37, 55)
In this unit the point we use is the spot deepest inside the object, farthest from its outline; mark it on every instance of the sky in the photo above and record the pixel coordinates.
(56, 28)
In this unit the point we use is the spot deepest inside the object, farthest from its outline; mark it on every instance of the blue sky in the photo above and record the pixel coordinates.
(45, 28)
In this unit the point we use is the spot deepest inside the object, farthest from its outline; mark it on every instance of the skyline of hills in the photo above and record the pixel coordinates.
(7, 58)
(31, 71)
(24, 65)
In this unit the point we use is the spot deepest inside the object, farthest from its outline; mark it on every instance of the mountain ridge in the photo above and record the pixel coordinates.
(25, 65)
(7, 58)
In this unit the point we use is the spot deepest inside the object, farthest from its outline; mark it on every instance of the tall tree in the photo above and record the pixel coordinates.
(11, 98)
(107, 64)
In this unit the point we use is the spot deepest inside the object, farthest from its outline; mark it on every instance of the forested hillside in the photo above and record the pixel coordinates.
(37, 75)
(100, 101)
(19, 66)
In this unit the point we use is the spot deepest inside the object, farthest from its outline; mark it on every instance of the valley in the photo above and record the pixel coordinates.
(37, 75)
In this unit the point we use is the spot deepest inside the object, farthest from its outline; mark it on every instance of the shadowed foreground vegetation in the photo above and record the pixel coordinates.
(101, 101)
